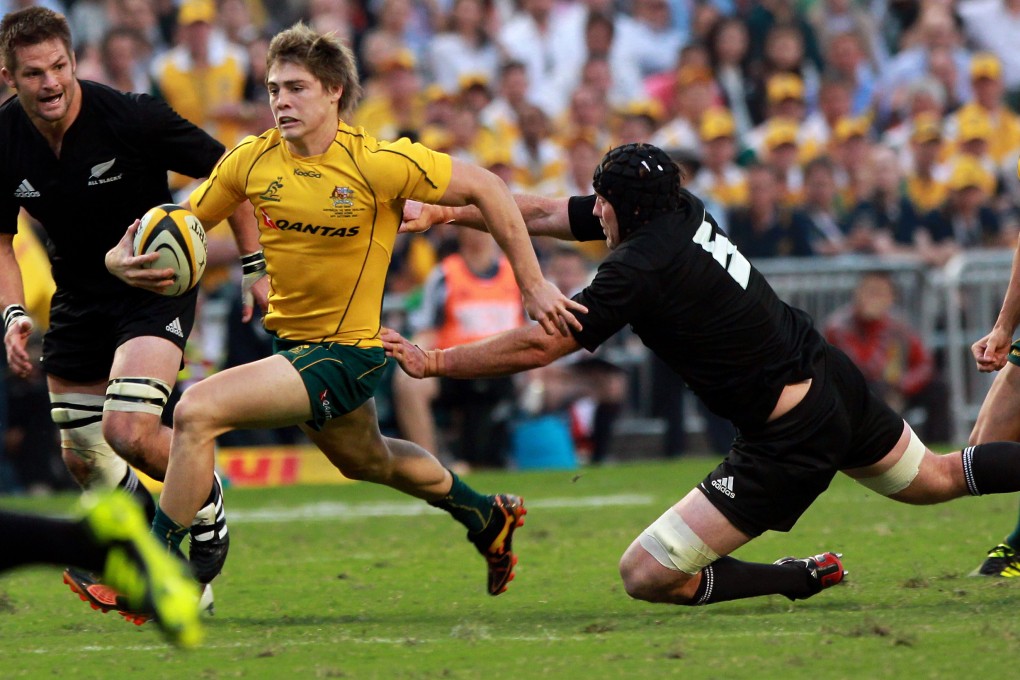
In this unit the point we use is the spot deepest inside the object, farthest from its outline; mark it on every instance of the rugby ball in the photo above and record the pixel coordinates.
(179, 239)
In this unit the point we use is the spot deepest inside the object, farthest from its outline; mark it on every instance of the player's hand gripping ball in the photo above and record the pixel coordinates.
(177, 235)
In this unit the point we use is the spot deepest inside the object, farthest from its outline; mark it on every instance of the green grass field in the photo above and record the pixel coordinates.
(358, 581)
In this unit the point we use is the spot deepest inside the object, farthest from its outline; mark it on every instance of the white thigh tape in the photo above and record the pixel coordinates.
(674, 545)
(145, 395)
(80, 419)
(899, 476)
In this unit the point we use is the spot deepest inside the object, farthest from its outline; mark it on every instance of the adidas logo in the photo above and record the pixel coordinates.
(175, 328)
(26, 190)
(725, 485)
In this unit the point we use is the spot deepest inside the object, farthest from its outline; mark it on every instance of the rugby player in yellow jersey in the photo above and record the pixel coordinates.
(328, 199)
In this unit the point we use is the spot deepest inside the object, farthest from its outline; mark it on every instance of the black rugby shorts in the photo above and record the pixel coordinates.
(85, 331)
(772, 476)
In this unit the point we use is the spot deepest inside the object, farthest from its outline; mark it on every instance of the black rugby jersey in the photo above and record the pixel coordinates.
(112, 168)
(700, 306)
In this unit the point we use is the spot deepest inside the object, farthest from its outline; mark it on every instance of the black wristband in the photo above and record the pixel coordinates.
(253, 263)
(11, 314)
(583, 223)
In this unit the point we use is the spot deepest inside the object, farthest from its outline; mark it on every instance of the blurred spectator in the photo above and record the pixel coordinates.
(583, 156)
(122, 60)
(592, 388)
(395, 107)
(465, 47)
(833, 18)
(835, 95)
(536, 158)
(1003, 124)
(388, 37)
(993, 25)
(530, 37)
(892, 356)
(470, 295)
(587, 116)
(846, 59)
(849, 151)
(963, 220)
(719, 177)
(784, 54)
(512, 94)
(764, 227)
(638, 121)
(237, 21)
(203, 77)
(657, 42)
(926, 177)
(784, 95)
(728, 51)
(883, 221)
(926, 99)
(825, 235)
(937, 35)
(693, 95)
(765, 16)
(346, 18)
(782, 153)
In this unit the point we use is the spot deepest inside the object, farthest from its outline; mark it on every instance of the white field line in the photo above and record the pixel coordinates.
(333, 510)
(393, 642)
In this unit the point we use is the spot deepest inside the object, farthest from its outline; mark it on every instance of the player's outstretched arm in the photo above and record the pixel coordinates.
(542, 216)
(990, 352)
(506, 353)
(122, 262)
(470, 184)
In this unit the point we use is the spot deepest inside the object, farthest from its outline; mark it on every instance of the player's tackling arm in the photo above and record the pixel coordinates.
(991, 351)
(470, 184)
(502, 354)
(543, 216)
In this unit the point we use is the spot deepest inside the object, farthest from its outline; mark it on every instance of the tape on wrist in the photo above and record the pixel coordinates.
(253, 263)
(12, 313)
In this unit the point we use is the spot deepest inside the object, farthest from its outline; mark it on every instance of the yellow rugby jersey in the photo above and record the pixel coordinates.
(327, 224)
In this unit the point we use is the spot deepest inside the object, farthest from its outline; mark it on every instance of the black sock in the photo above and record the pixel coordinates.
(134, 486)
(467, 506)
(992, 468)
(29, 539)
(730, 579)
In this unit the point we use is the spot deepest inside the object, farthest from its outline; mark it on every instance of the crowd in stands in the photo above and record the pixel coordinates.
(812, 128)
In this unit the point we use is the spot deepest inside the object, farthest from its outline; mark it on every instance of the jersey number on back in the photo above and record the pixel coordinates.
(725, 253)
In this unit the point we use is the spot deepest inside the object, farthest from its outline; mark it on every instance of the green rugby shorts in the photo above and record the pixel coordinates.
(338, 378)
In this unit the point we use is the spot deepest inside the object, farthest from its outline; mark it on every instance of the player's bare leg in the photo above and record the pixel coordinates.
(355, 446)
(996, 422)
(682, 558)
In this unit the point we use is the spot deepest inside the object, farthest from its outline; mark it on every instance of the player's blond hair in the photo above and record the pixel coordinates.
(324, 56)
(31, 26)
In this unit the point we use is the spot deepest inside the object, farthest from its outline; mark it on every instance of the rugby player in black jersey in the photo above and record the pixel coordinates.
(85, 160)
(802, 409)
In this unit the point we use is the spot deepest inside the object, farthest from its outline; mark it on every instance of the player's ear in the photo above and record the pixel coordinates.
(8, 77)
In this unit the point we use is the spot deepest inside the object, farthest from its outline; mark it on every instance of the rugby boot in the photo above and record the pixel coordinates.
(1002, 561)
(495, 540)
(210, 540)
(822, 571)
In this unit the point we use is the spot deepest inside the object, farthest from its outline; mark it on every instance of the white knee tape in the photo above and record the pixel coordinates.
(899, 476)
(144, 395)
(674, 545)
(80, 419)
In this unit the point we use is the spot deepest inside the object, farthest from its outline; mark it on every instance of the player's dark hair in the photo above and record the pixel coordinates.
(641, 182)
(324, 56)
(31, 26)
